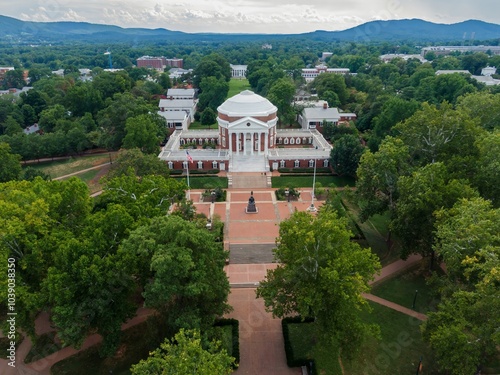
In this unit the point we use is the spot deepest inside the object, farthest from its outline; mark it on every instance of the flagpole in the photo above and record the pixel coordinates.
(189, 188)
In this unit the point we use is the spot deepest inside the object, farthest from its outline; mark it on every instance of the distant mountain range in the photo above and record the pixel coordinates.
(17, 31)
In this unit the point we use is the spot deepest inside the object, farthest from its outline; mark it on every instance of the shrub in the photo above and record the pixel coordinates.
(281, 195)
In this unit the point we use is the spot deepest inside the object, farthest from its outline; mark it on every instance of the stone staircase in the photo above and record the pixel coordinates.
(248, 180)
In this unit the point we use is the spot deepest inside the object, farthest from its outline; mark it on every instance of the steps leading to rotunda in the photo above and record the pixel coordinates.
(249, 180)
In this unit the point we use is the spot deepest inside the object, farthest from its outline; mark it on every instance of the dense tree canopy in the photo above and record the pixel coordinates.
(322, 274)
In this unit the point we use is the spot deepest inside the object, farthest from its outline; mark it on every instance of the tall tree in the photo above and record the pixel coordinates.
(378, 175)
(345, 155)
(183, 267)
(144, 132)
(322, 274)
(281, 95)
(420, 195)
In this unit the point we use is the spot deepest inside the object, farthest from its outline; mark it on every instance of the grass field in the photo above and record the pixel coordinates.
(92, 179)
(236, 86)
(307, 181)
(401, 290)
(60, 168)
(196, 125)
(398, 351)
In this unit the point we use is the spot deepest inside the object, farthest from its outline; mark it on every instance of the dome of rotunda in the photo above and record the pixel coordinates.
(247, 103)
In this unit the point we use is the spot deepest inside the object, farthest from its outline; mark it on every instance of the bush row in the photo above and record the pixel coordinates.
(291, 361)
(305, 170)
(235, 334)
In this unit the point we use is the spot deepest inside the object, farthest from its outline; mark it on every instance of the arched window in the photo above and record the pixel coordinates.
(214, 164)
(184, 164)
(325, 163)
(311, 163)
(285, 141)
(200, 165)
(292, 141)
(296, 163)
(170, 165)
(282, 164)
(297, 141)
(280, 141)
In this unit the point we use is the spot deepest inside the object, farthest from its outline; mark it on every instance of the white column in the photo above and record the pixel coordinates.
(259, 134)
(230, 140)
(252, 135)
(266, 141)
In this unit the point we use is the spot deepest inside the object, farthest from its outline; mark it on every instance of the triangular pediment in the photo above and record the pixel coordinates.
(248, 123)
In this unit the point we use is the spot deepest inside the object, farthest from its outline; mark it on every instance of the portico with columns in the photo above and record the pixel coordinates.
(247, 126)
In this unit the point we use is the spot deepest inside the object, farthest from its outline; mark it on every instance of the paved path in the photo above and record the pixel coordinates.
(81, 171)
(395, 306)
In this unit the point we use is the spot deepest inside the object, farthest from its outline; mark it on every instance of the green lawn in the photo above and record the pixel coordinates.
(236, 86)
(210, 182)
(307, 181)
(398, 351)
(401, 290)
(196, 125)
(60, 168)
(302, 341)
(89, 178)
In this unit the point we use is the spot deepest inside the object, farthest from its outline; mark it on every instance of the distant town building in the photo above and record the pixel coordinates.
(446, 50)
(391, 56)
(32, 129)
(326, 55)
(488, 71)
(488, 80)
(14, 91)
(439, 72)
(5, 69)
(267, 46)
(238, 71)
(159, 63)
(183, 105)
(310, 73)
(181, 94)
(315, 117)
(176, 73)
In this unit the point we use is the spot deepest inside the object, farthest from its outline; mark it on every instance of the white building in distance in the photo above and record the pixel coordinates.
(238, 71)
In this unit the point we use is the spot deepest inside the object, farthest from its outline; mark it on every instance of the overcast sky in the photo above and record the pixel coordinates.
(249, 16)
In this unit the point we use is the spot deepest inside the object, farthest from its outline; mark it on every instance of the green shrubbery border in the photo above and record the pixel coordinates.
(235, 334)
(291, 361)
(305, 170)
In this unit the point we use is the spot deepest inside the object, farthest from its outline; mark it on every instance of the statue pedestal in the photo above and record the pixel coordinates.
(251, 208)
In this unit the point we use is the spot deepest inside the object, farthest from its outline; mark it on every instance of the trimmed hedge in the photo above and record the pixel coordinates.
(291, 361)
(305, 170)
(195, 171)
(235, 334)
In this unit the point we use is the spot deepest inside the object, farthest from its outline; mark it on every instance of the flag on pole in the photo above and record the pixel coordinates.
(189, 158)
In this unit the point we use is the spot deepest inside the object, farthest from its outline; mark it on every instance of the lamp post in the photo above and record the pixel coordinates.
(414, 299)
(311, 207)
